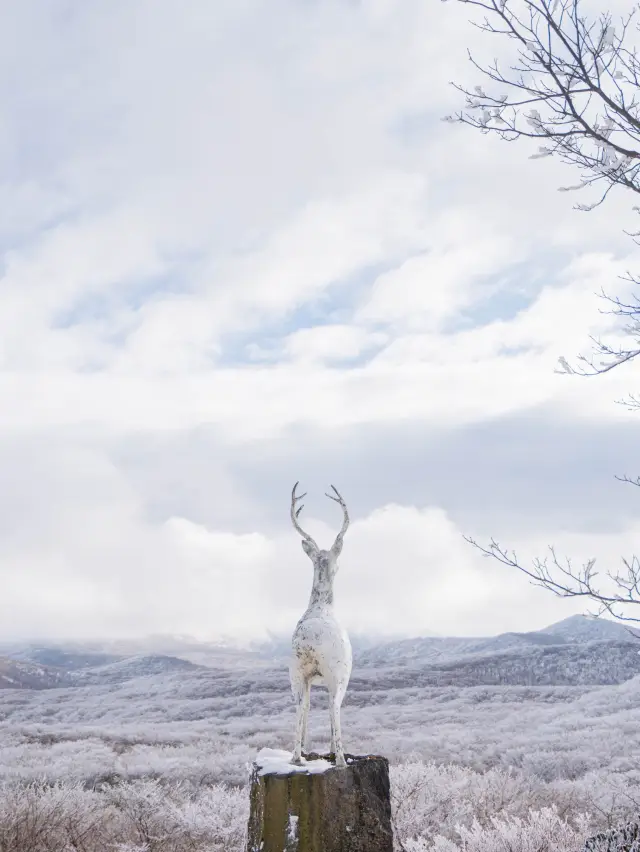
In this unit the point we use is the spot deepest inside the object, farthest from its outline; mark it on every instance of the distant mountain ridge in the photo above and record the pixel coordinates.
(577, 650)
(579, 628)
(571, 664)
(62, 658)
(131, 667)
(575, 630)
(20, 672)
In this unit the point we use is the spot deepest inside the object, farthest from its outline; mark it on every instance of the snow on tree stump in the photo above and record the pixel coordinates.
(318, 807)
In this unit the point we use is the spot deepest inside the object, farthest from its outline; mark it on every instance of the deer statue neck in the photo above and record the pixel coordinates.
(322, 588)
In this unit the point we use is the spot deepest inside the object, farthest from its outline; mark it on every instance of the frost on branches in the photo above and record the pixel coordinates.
(435, 809)
(474, 765)
(571, 83)
(141, 816)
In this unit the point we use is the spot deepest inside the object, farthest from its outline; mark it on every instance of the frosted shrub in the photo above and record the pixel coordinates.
(216, 818)
(172, 819)
(432, 801)
(426, 797)
(47, 819)
(436, 807)
(623, 839)
(131, 817)
(541, 831)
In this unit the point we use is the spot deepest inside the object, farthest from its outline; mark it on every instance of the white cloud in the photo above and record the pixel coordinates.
(249, 218)
(428, 289)
(331, 343)
(103, 570)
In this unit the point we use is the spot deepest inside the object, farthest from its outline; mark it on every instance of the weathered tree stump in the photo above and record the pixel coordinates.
(319, 807)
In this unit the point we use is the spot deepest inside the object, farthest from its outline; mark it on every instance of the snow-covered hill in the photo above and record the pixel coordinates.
(578, 650)
(579, 628)
(555, 665)
(21, 674)
(65, 659)
(575, 630)
(129, 668)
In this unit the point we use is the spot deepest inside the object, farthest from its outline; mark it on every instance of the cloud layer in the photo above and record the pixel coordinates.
(243, 250)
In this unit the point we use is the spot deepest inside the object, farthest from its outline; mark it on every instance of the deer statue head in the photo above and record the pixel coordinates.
(324, 560)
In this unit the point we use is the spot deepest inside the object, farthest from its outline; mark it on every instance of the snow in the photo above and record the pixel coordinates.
(292, 829)
(278, 762)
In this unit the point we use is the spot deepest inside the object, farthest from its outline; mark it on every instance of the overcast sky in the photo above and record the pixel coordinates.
(239, 248)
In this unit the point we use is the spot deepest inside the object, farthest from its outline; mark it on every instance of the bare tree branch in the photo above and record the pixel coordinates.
(565, 581)
(581, 74)
(605, 357)
(574, 85)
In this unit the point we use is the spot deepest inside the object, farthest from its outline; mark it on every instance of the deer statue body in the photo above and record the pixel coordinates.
(321, 647)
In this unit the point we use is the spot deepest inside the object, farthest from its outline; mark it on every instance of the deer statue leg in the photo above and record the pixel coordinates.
(306, 701)
(300, 688)
(333, 729)
(335, 702)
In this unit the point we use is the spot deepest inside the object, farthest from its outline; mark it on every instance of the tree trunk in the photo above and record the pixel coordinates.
(337, 810)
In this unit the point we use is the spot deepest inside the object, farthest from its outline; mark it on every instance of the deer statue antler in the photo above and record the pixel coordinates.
(295, 512)
(337, 545)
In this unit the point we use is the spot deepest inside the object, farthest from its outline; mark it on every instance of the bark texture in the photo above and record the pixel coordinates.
(339, 810)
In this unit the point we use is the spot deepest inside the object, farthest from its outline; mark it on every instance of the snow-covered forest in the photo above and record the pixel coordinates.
(159, 762)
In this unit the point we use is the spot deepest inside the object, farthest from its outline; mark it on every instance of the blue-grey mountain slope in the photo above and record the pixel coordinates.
(575, 651)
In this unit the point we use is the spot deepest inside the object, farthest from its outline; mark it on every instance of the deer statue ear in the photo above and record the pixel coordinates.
(308, 547)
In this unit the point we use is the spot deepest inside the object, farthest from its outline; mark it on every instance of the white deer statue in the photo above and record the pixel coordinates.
(321, 646)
